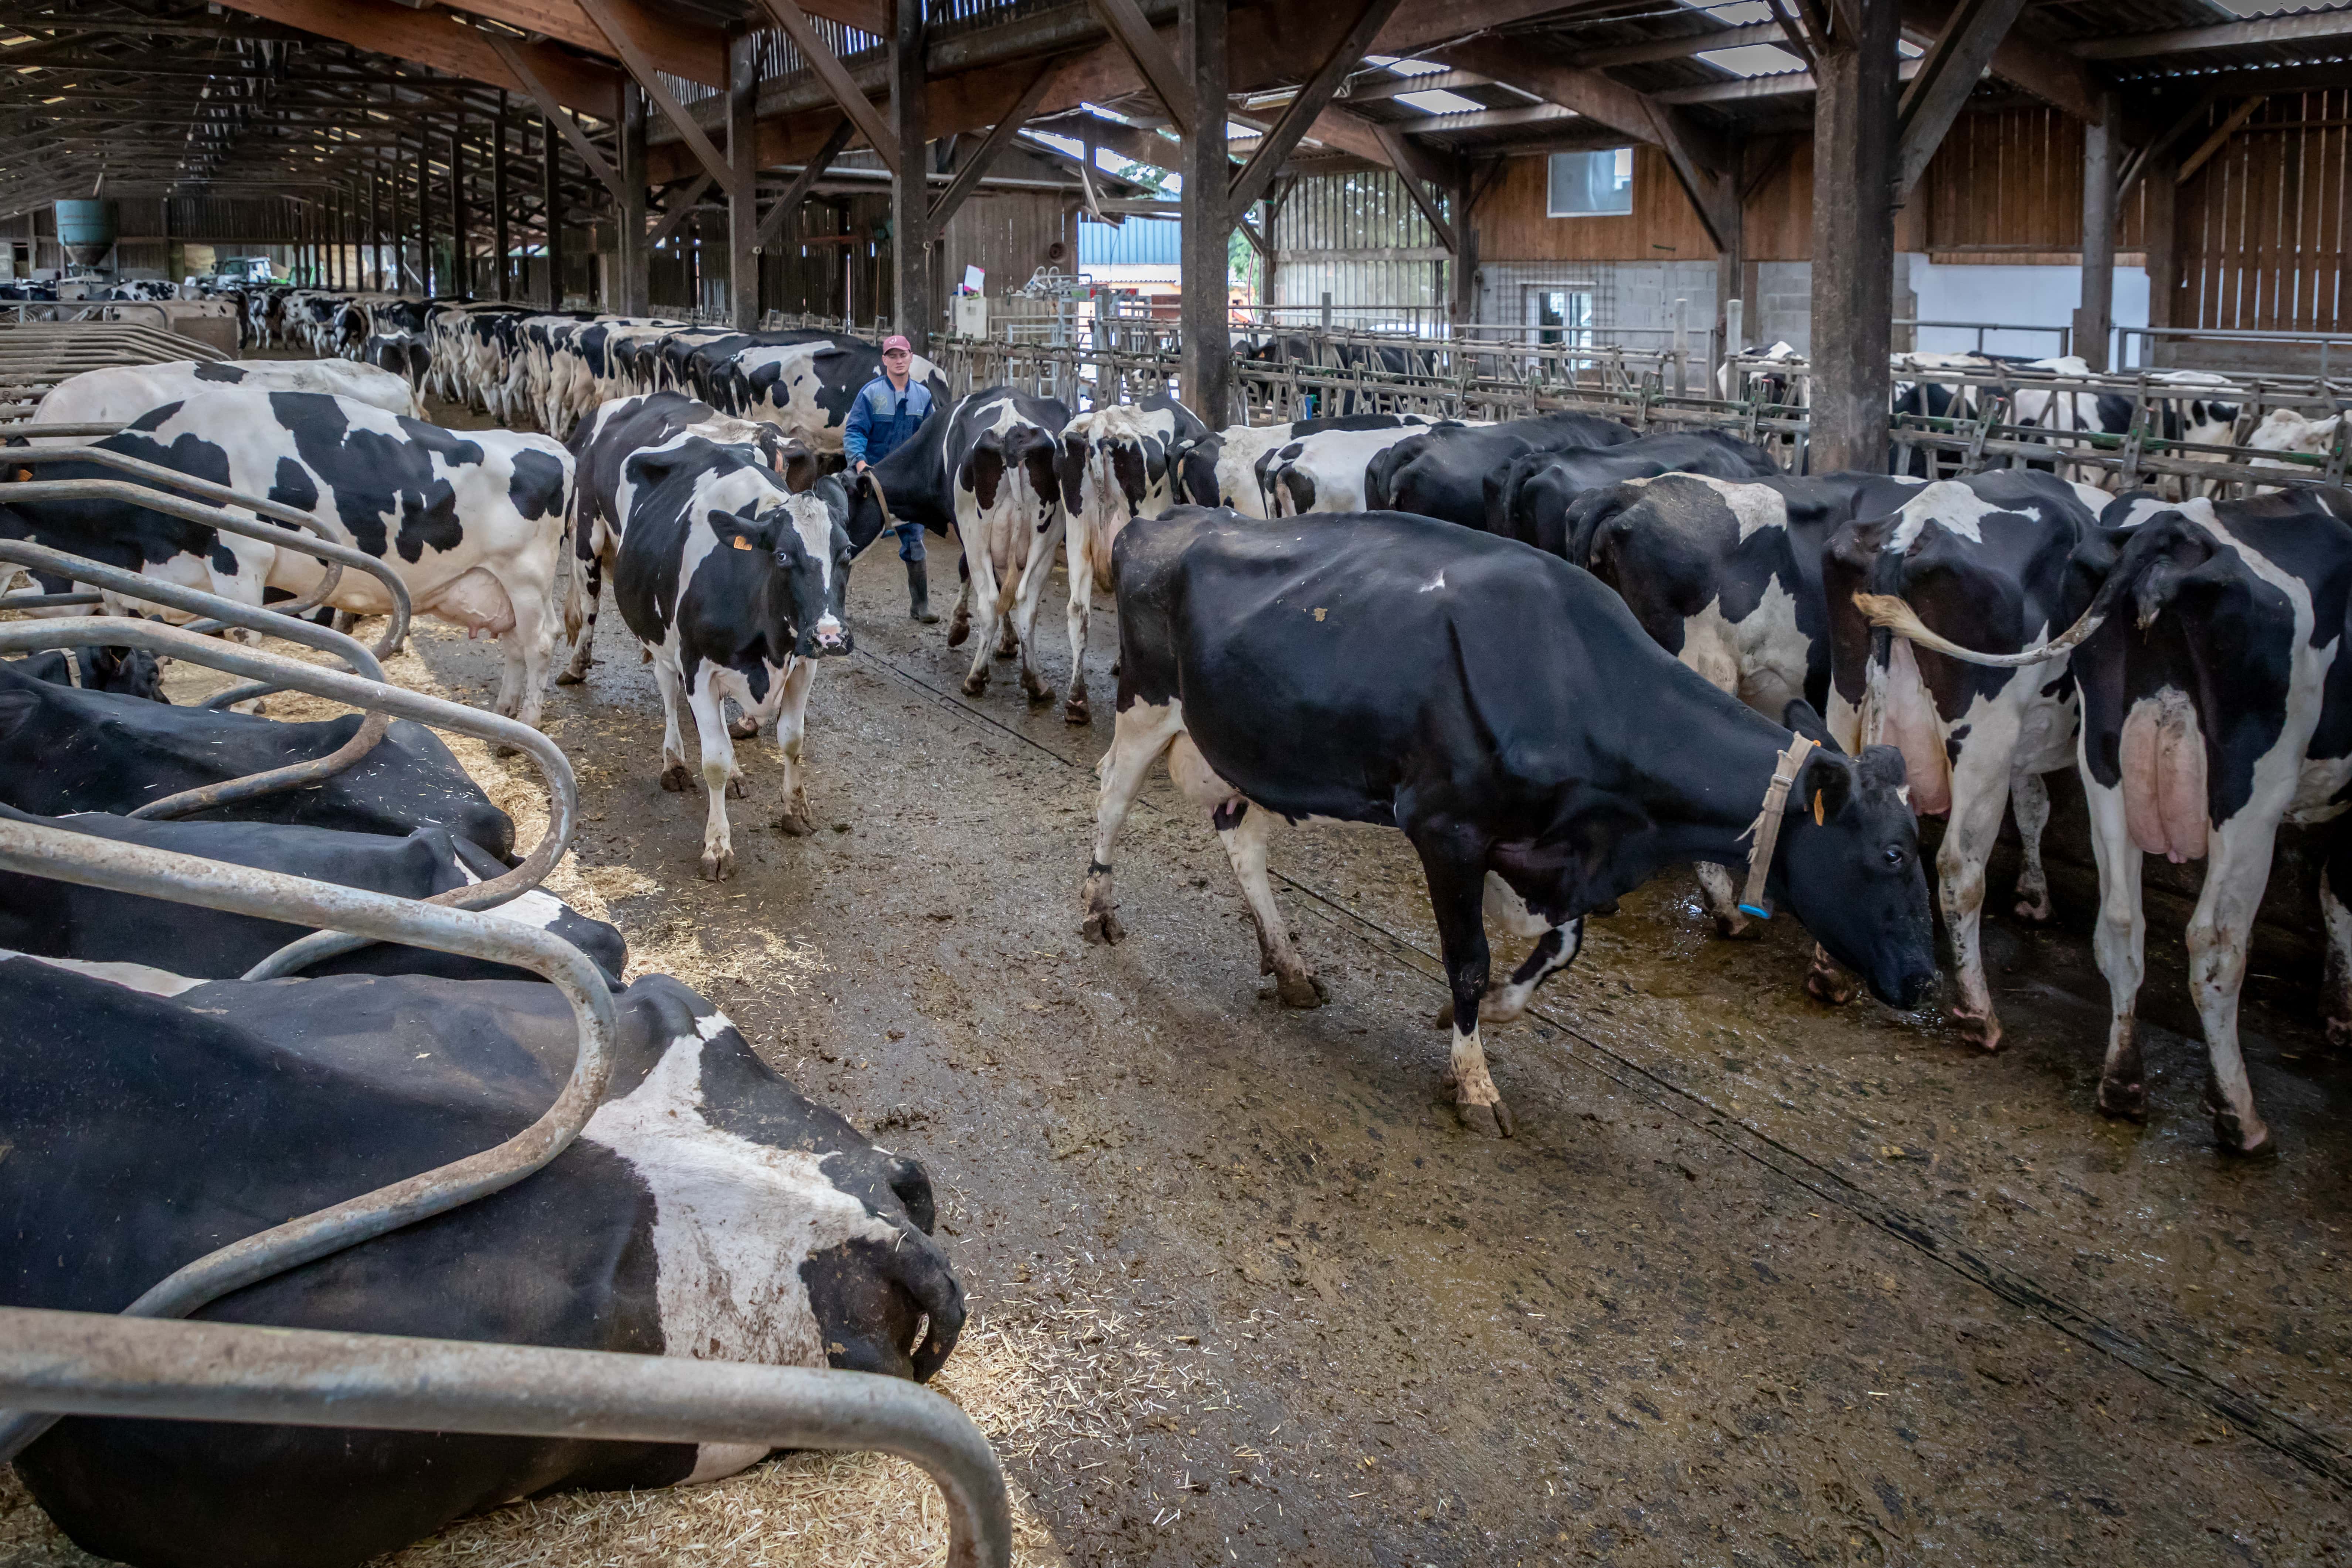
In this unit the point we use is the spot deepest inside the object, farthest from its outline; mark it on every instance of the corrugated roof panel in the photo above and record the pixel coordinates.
(1139, 242)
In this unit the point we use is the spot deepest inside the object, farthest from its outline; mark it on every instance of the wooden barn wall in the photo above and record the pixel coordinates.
(1008, 235)
(2261, 225)
(2012, 180)
(1357, 237)
(1512, 226)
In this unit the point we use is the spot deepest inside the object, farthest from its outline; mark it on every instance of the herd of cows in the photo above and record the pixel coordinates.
(1559, 654)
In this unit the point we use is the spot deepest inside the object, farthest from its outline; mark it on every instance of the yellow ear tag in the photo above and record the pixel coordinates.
(1817, 808)
(743, 543)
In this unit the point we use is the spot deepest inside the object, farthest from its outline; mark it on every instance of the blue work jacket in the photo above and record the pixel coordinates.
(883, 418)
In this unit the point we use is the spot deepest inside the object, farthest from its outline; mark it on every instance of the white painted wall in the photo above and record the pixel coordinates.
(2027, 296)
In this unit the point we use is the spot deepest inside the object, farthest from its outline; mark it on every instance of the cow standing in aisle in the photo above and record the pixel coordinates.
(1504, 711)
(707, 1209)
(1538, 492)
(1239, 448)
(119, 393)
(471, 522)
(735, 587)
(1982, 563)
(1119, 464)
(1456, 473)
(988, 467)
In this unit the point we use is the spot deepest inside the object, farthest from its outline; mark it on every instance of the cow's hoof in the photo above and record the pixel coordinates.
(1076, 713)
(1102, 926)
(958, 632)
(676, 779)
(1302, 991)
(743, 727)
(1040, 695)
(1982, 1030)
(1827, 982)
(1731, 925)
(1485, 1121)
(1003, 653)
(2037, 911)
(795, 825)
(2244, 1141)
(2124, 1100)
(975, 685)
(736, 789)
(571, 676)
(719, 866)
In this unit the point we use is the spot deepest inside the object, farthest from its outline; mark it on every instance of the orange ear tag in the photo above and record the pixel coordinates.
(743, 543)
(1817, 808)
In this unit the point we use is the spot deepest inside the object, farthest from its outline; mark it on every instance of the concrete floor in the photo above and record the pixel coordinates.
(1759, 1282)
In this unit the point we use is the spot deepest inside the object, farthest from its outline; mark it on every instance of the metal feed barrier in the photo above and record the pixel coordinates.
(56, 1364)
(35, 354)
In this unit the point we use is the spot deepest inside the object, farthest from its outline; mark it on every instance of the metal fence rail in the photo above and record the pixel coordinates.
(83, 1363)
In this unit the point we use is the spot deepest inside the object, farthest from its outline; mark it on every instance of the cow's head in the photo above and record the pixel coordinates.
(1849, 867)
(801, 535)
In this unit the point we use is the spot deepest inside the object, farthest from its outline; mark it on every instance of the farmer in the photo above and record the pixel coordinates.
(888, 410)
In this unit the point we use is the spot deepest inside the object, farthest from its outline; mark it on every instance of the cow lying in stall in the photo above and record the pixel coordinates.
(735, 587)
(988, 466)
(706, 1210)
(66, 919)
(1983, 562)
(64, 750)
(1119, 464)
(1505, 711)
(2216, 709)
(126, 671)
(471, 522)
(119, 393)
(607, 439)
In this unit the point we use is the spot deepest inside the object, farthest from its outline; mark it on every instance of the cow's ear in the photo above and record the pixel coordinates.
(1825, 785)
(1800, 716)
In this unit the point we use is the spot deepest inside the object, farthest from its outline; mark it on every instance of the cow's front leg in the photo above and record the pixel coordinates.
(1721, 898)
(1980, 788)
(2028, 799)
(674, 774)
(792, 728)
(523, 689)
(2119, 944)
(2220, 935)
(1555, 948)
(719, 778)
(1082, 598)
(1034, 571)
(1142, 733)
(1244, 832)
(1455, 863)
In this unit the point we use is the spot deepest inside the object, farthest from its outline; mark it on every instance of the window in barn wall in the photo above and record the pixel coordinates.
(1593, 185)
(1562, 316)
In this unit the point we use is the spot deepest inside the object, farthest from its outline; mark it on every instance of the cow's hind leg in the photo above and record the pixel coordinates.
(1244, 832)
(674, 774)
(1142, 733)
(719, 778)
(1082, 599)
(2119, 944)
(981, 591)
(523, 690)
(1031, 597)
(1454, 864)
(2220, 936)
(1980, 788)
(590, 563)
(792, 730)
(2028, 799)
(960, 618)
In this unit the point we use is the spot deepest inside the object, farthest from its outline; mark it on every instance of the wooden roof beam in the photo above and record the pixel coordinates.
(617, 20)
(843, 90)
(1645, 117)
(1258, 175)
(1152, 59)
(679, 47)
(1949, 72)
(438, 39)
(2308, 27)
(2047, 72)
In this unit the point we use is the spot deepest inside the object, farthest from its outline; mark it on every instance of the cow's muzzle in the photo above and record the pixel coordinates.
(832, 636)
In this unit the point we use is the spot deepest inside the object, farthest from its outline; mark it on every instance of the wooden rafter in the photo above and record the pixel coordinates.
(838, 84)
(1947, 74)
(1251, 180)
(804, 183)
(943, 206)
(617, 29)
(558, 116)
(1142, 45)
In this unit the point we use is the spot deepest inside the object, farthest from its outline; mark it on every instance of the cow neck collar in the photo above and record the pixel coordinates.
(1766, 829)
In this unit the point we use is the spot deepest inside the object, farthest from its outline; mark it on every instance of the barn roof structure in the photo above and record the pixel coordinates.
(641, 112)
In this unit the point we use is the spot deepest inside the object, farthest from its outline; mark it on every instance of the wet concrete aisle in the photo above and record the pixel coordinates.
(1758, 1281)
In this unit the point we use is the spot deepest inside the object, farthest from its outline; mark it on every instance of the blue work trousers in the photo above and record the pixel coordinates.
(910, 542)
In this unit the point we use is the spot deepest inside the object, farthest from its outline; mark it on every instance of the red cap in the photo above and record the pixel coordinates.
(895, 342)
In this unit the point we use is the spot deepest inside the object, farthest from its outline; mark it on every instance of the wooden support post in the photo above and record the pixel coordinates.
(1854, 238)
(2095, 315)
(372, 275)
(1207, 341)
(1731, 255)
(461, 259)
(1462, 296)
(424, 214)
(635, 251)
(501, 234)
(398, 283)
(910, 237)
(552, 173)
(744, 198)
(2161, 222)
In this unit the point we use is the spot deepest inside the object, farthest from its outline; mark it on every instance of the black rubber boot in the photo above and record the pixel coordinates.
(918, 595)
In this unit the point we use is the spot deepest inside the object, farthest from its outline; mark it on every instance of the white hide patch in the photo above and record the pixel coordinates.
(1955, 506)
(1759, 659)
(1755, 506)
(734, 1220)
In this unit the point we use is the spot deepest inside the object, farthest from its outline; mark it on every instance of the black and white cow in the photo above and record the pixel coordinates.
(64, 750)
(707, 1209)
(2283, 430)
(119, 393)
(804, 388)
(1982, 563)
(403, 354)
(92, 925)
(1504, 711)
(605, 441)
(471, 522)
(126, 671)
(989, 468)
(1536, 490)
(1456, 473)
(1120, 463)
(1240, 448)
(2204, 414)
(1328, 471)
(2216, 705)
(735, 587)
(1726, 576)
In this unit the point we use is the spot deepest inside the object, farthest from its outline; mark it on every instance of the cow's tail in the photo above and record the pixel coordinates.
(580, 543)
(1894, 615)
